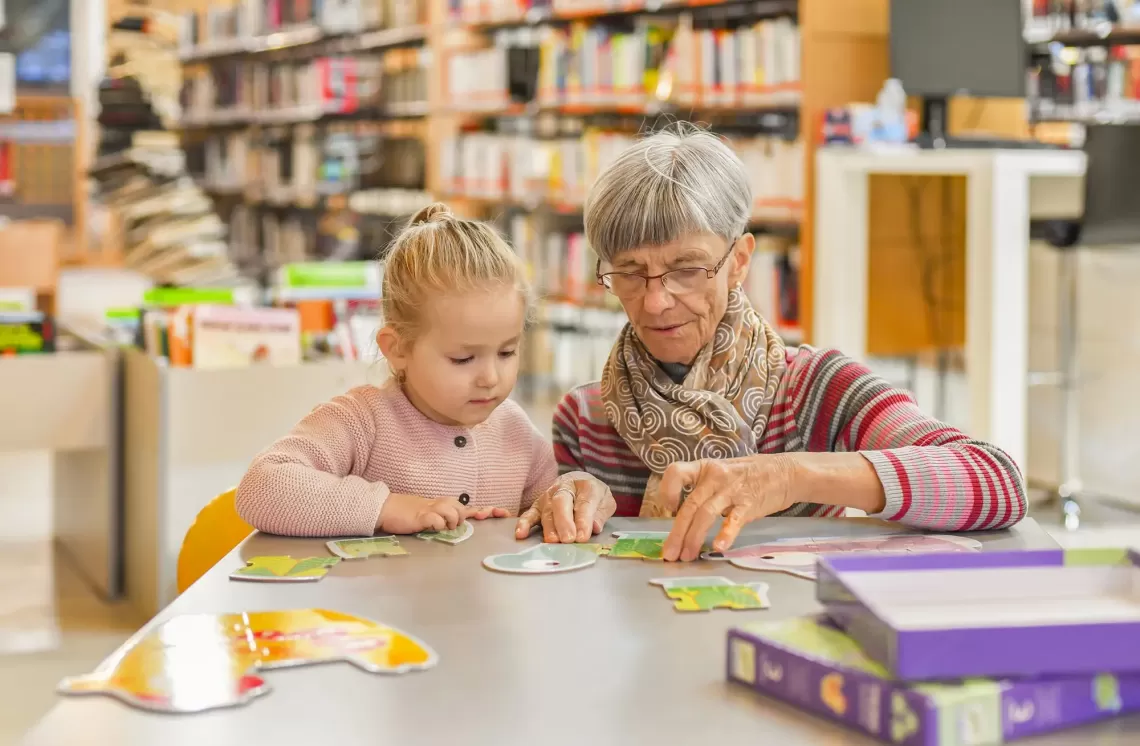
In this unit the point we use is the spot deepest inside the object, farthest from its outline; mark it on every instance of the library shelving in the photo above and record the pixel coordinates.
(306, 123)
(560, 80)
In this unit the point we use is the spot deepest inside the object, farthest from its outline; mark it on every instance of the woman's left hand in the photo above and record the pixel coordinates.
(740, 489)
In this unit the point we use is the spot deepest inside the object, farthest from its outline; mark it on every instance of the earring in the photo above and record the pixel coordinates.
(401, 377)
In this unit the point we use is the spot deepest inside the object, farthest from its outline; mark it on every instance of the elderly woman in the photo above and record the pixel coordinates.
(702, 411)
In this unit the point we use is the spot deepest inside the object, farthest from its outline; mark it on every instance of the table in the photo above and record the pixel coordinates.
(1004, 189)
(595, 656)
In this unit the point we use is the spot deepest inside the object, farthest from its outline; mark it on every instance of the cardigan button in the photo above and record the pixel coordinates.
(464, 499)
(460, 441)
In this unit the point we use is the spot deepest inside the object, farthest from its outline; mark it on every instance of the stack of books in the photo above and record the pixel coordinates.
(168, 227)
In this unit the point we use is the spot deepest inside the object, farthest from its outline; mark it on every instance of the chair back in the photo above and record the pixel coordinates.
(215, 532)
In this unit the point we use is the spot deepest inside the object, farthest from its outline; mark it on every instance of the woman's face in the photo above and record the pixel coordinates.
(674, 327)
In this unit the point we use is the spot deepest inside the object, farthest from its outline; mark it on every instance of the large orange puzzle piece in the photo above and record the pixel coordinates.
(205, 661)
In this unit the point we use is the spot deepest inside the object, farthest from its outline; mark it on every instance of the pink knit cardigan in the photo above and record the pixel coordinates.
(332, 473)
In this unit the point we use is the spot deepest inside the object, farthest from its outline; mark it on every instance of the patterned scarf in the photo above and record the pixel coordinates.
(718, 411)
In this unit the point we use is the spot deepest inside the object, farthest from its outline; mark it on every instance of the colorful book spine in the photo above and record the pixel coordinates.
(813, 666)
(25, 332)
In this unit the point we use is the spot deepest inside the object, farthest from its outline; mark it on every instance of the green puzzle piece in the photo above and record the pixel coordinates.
(599, 549)
(706, 594)
(646, 545)
(706, 599)
(462, 532)
(373, 546)
(647, 549)
(285, 568)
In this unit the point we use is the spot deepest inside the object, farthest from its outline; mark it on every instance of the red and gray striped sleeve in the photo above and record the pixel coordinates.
(934, 476)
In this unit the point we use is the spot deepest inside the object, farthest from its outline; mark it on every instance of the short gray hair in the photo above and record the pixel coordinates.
(676, 182)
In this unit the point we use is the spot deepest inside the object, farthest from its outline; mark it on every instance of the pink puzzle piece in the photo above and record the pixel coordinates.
(798, 556)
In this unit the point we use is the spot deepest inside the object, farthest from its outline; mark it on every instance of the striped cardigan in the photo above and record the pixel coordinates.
(933, 475)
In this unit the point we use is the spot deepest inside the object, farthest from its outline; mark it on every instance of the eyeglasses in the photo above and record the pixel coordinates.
(676, 281)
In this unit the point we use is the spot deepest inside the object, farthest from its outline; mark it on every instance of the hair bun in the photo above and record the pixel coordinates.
(437, 212)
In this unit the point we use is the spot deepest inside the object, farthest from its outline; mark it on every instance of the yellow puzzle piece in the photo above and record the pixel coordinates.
(285, 569)
(204, 661)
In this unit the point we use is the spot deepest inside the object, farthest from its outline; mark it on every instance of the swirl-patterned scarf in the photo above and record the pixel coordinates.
(719, 411)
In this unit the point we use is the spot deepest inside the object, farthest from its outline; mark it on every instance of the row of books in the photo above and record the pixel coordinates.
(531, 11)
(566, 348)
(230, 29)
(318, 310)
(659, 61)
(560, 262)
(290, 91)
(527, 169)
(264, 240)
(773, 284)
(298, 166)
(1045, 17)
(1086, 84)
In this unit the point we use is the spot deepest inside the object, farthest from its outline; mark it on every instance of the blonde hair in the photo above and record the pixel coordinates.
(438, 254)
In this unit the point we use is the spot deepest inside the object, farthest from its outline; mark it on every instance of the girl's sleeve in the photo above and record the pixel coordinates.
(310, 482)
(543, 468)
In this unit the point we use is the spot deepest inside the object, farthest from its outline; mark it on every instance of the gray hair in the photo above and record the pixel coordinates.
(676, 182)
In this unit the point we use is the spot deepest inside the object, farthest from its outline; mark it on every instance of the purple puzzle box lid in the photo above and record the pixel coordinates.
(1023, 613)
(811, 664)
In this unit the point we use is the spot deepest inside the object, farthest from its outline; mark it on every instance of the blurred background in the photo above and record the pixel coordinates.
(948, 190)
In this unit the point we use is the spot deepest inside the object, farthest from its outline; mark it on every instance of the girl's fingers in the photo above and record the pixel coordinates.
(432, 521)
(450, 513)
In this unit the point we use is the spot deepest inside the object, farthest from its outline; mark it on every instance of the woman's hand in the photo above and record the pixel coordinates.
(410, 514)
(740, 489)
(575, 508)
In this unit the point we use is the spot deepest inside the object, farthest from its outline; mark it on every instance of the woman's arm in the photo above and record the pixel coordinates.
(309, 483)
(930, 475)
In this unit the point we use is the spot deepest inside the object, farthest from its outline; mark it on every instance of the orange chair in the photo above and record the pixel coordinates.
(215, 532)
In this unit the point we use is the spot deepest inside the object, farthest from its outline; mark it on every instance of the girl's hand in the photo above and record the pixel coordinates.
(410, 514)
(483, 514)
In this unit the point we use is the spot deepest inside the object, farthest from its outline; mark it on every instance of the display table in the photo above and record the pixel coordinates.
(59, 453)
(189, 435)
(1004, 189)
(596, 656)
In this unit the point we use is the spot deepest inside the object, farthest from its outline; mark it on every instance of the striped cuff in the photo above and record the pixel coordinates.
(892, 476)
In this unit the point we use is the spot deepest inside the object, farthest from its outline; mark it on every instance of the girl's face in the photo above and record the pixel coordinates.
(465, 360)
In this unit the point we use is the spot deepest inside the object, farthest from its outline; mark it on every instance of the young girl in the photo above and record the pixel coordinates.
(438, 443)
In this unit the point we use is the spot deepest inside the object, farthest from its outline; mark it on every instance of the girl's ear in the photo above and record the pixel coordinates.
(392, 348)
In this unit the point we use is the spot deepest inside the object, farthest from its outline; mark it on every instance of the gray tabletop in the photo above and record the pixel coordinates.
(595, 656)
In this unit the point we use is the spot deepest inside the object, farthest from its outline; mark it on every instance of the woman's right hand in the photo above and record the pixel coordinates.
(410, 514)
(575, 508)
